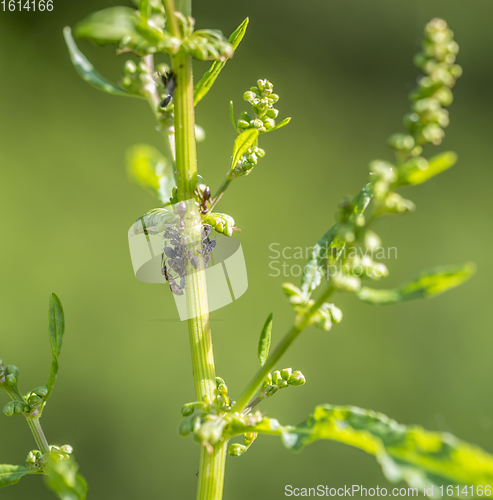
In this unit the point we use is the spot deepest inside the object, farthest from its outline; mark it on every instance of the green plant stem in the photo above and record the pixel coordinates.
(38, 434)
(211, 473)
(212, 462)
(219, 194)
(279, 351)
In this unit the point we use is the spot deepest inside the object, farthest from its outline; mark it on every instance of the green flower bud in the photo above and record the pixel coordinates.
(269, 391)
(273, 98)
(20, 408)
(67, 449)
(34, 399)
(286, 373)
(243, 124)
(371, 240)
(249, 96)
(236, 449)
(11, 381)
(185, 427)
(395, 203)
(31, 458)
(272, 113)
(402, 142)
(297, 378)
(269, 123)
(12, 370)
(187, 409)
(268, 380)
(9, 409)
(347, 283)
(283, 384)
(41, 391)
(130, 67)
(276, 377)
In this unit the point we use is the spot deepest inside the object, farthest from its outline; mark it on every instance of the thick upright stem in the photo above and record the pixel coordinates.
(211, 468)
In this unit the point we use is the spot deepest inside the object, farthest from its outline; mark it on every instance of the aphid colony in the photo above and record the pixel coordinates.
(179, 250)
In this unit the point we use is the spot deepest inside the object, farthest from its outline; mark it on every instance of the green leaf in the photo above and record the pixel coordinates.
(428, 284)
(145, 10)
(56, 328)
(419, 170)
(232, 115)
(11, 474)
(123, 27)
(151, 170)
(205, 83)
(243, 143)
(279, 125)
(108, 26)
(264, 341)
(62, 478)
(86, 70)
(407, 453)
(315, 269)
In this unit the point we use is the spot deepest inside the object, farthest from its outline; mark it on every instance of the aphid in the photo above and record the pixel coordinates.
(182, 282)
(170, 252)
(175, 288)
(194, 261)
(168, 80)
(208, 245)
(207, 258)
(206, 230)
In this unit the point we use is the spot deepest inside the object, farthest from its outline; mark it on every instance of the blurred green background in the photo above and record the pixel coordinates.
(343, 70)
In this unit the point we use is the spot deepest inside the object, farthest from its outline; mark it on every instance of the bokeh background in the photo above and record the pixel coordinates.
(343, 70)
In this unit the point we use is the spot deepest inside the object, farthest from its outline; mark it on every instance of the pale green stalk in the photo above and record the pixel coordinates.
(212, 462)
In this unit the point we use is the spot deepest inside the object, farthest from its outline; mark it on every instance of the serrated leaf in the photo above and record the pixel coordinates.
(315, 268)
(63, 479)
(242, 144)
(12, 474)
(205, 83)
(419, 170)
(56, 328)
(279, 125)
(264, 341)
(407, 453)
(86, 70)
(428, 284)
(151, 170)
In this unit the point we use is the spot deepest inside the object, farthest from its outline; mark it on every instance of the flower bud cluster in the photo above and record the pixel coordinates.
(262, 101)
(38, 462)
(209, 424)
(428, 118)
(280, 380)
(326, 315)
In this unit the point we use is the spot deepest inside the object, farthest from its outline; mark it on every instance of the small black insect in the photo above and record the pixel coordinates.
(164, 272)
(206, 230)
(168, 80)
(194, 261)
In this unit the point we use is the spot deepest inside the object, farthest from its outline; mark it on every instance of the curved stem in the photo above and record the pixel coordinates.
(278, 352)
